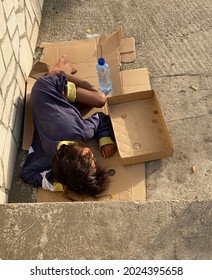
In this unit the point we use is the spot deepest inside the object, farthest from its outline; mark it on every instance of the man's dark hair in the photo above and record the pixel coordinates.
(74, 170)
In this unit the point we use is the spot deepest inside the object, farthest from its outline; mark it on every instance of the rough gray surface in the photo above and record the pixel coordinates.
(173, 40)
(107, 230)
(189, 121)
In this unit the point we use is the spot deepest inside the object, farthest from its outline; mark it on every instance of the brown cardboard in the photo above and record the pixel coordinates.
(127, 49)
(140, 130)
(128, 183)
(28, 121)
(39, 70)
(135, 80)
(131, 80)
(84, 54)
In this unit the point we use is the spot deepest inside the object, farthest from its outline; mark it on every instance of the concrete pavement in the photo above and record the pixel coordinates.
(107, 230)
(174, 42)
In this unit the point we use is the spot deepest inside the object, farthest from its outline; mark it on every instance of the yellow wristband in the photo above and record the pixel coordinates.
(72, 92)
(57, 187)
(105, 140)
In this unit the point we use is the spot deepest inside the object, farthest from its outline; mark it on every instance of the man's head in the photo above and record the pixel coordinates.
(75, 167)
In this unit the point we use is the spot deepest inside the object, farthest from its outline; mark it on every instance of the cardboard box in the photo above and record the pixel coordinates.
(140, 130)
(134, 110)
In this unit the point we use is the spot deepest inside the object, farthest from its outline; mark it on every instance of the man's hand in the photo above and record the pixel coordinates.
(62, 67)
(108, 150)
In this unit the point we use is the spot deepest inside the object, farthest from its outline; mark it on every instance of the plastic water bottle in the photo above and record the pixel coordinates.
(103, 71)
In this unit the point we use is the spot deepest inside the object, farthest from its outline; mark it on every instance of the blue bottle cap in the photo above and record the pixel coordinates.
(101, 61)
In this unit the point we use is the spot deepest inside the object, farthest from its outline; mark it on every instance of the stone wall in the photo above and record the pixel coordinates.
(19, 27)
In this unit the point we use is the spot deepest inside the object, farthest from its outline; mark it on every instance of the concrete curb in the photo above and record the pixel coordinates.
(107, 230)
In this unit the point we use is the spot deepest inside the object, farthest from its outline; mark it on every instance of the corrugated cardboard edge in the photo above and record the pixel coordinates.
(28, 120)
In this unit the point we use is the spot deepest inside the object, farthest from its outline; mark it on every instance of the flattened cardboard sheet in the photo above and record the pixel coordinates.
(127, 181)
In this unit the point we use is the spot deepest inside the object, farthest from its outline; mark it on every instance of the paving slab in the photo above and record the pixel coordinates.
(106, 230)
(189, 120)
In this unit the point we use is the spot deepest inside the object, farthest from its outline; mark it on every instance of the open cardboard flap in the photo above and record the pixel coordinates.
(136, 116)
